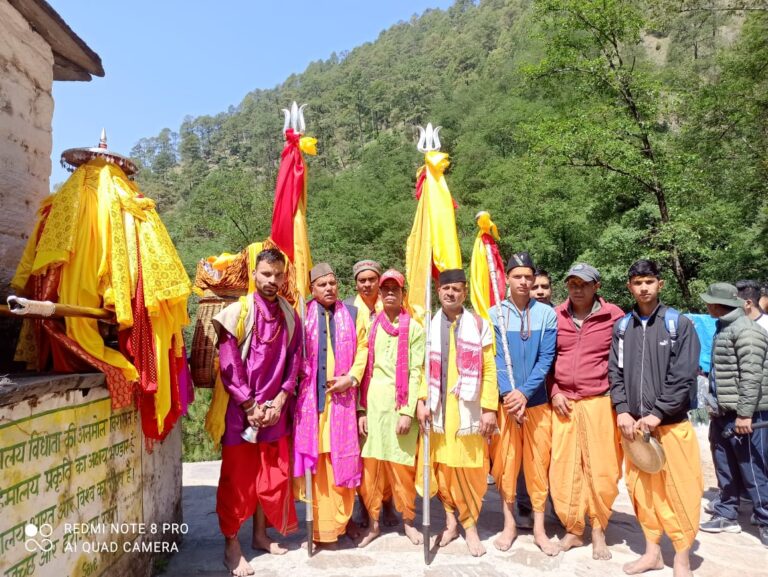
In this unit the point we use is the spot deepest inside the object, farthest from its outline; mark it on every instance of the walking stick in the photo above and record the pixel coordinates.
(307, 472)
(730, 432)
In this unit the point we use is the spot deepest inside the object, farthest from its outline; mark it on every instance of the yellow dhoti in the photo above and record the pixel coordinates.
(586, 464)
(385, 478)
(669, 501)
(506, 455)
(537, 449)
(332, 506)
(461, 490)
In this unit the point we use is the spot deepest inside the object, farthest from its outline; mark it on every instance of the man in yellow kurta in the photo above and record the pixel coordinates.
(325, 423)
(460, 398)
(389, 392)
(367, 300)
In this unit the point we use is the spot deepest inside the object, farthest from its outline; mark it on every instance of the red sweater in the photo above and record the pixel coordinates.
(581, 361)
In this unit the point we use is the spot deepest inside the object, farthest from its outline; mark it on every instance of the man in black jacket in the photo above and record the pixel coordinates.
(653, 365)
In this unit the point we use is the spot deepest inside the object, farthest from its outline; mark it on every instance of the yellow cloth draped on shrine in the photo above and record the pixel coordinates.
(302, 258)
(98, 227)
(433, 236)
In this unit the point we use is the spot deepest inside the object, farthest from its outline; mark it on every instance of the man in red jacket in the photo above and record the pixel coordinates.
(586, 451)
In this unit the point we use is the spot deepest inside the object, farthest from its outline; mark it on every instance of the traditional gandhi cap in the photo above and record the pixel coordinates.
(363, 265)
(584, 271)
(451, 275)
(394, 275)
(319, 270)
(722, 293)
(520, 259)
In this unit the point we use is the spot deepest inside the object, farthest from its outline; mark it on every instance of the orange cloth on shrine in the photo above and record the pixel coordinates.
(586, 463)
(385, 477)
(670, 501)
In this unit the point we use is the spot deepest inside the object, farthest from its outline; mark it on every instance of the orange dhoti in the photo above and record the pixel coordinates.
(586, 463)
(385, 478)
(506, 455)
(537, 448)
(669, 501)
(332, 506)
(461, 490)
(255, 475)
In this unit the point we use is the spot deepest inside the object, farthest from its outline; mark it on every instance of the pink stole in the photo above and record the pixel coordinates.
(345, 448)
(401, 331)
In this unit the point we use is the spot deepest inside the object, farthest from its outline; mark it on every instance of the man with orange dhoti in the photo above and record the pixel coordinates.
(653, 365)
(586, 454)
(259, 355)
(325, 434)
(463, 399)
(531, 334)
(389, 392)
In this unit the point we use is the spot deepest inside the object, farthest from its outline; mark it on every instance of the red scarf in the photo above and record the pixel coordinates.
(400, 331)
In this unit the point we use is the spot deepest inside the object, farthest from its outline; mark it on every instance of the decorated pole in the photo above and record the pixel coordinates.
(428, 140)
(289, 233)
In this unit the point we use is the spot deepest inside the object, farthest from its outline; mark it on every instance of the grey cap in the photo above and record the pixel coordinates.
(722, 293)
(319, 270)
(584, 271)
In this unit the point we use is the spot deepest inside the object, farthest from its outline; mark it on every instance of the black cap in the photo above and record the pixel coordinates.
(520, 259)
(451, 275)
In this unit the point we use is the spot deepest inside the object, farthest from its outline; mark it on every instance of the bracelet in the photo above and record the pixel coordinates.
(249, 407)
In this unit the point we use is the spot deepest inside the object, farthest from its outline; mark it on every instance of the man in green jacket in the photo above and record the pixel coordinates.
(738, 382)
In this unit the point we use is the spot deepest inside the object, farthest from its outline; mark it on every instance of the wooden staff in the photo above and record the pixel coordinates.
(21, 307)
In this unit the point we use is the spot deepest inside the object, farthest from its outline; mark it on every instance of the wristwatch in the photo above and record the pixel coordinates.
(269, 404)
(355, 382)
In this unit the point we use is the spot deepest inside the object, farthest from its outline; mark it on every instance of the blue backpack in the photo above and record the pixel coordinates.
(670, 321)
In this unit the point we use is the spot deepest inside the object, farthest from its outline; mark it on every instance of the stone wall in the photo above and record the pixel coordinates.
(78, 471)
(26, 113)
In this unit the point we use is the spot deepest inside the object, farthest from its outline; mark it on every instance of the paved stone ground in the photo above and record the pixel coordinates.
(392, 554)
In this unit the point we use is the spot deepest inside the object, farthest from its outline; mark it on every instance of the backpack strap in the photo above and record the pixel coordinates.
(623, 324)
(671, 318)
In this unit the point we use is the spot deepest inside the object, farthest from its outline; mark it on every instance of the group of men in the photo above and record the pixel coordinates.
(549, 390)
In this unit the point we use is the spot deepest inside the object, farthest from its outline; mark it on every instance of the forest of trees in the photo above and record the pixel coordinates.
(602, 131)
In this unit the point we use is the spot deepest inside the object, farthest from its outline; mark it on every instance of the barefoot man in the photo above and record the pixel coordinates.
(325, 438)
(586, 452)
(464, 399)
(367, 275)
(653, 365)
(389, 392)
(259, 355)
(531, 335)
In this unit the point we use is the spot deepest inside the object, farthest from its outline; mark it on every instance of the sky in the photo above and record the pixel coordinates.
(166, 59)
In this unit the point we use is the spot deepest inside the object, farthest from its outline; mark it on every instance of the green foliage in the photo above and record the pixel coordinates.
(599, 131)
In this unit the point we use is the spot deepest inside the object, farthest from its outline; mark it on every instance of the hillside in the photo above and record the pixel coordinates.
(600, 131)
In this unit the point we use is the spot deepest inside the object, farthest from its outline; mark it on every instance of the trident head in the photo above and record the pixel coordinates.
(294, 118)
(428, 139)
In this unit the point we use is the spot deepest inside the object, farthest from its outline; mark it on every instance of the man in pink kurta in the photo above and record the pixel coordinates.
(259, 357)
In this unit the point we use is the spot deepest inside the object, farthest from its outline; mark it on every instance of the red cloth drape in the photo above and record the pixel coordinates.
(288, 191)
(489, 241)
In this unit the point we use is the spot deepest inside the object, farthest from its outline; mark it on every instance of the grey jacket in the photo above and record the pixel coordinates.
(656, 375)
(740, 365)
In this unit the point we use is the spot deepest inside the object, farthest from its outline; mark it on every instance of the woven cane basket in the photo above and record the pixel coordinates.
(204, 340)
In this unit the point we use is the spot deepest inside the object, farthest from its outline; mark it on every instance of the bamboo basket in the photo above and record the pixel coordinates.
(204, 351)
